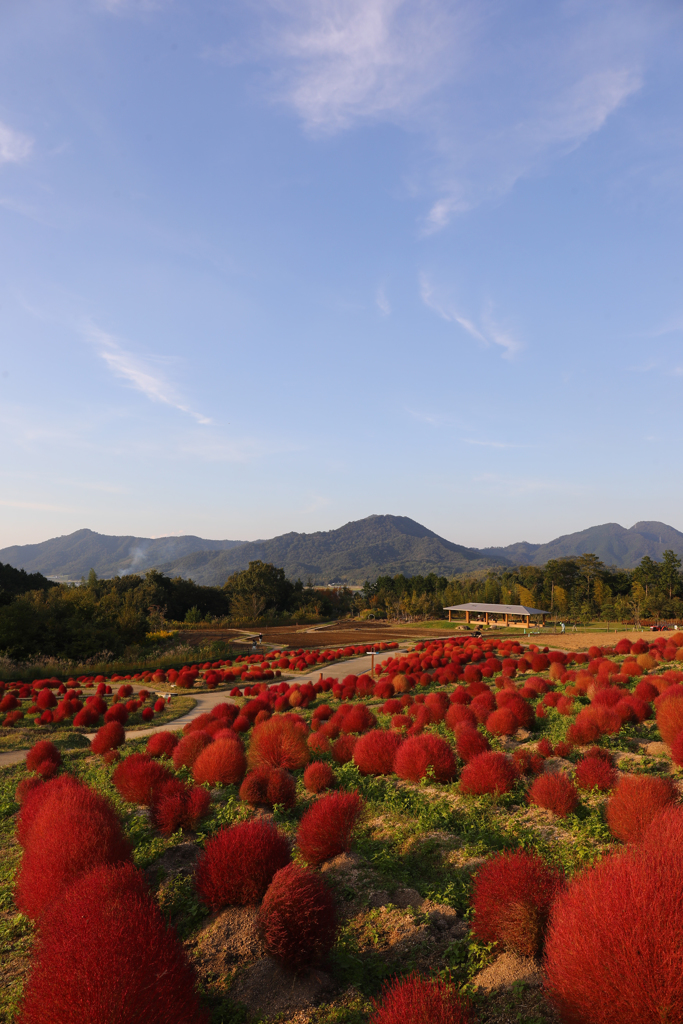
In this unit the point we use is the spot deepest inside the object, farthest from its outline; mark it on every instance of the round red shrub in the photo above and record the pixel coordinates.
(297, 917)
(470, 743)
(343, 748)
(544, 747)
(420, 755)
(116, 713)
(109, 916)
(489, 772)
(327, 826)
(278, 743)
(161, 744)
(138, 777)
(483, 705)
(268, 786)
(178, 806)
(222, 763)
(613, 948)
(512, 898)
(73, 831)
(43, 755)
(595, 773)
(458, 713)
(238, 864)
(25, 787)
(670, 717)
(375, 752)
(108, 737)
(555, 792)
(417, 1000)
(677, 750)
(502, 722)
(635, 802)
(318, 776)
(358, 719)
(188, 749)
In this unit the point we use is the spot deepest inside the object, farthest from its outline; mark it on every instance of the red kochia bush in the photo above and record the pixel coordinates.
(318, 777)
(489, 772)
(138, 777)
(297, 917)
(238, 864)
(513, 894)
(278, 743)
(161, 744)
(32, 801)
(555, 793)
(108, 737)
(326, 827)
(189, 748)
(458, 713)
(502, 722)
(268, 786)
(74, 830)
(635, 802)
(613, 949)
(343, 748)
(470, 743)
(418, 1000)
(670, 716)
(222, 763)
(109, 916)
(419, 754)
(179, 806)
(43, 758)
(375, 751)
(595, 772)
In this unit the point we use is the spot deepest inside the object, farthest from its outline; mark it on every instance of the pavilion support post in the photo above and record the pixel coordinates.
(506, 619)
(528, 623)
(467, 617)
(449, 614)
(487, 618)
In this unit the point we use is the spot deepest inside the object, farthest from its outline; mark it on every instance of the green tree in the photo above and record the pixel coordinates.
(264, 582)
(670, 573)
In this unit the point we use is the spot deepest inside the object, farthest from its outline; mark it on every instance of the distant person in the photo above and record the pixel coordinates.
(562, 626)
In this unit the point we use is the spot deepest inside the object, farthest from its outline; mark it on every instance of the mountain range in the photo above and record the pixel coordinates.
(365, 549)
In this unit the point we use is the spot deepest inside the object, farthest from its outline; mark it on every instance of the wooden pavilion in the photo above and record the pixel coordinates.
(497, 612)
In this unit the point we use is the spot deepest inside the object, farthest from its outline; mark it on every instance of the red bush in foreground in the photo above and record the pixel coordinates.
(74, 830)
(489, 772)
(418, 1000)
(109, 917)
(222, 763)
(186, 752)
(268, 786)
(635, 802)
(278, 743)
(470, 742)
(318, 777)
(297, 917)
(327, 826)
(375, 751)
(555, 792)
(513, 894)
(32, 800)
(613, 948)
(161, 744)
(422, 754)
(238, 864)
(108, 737)
(179, 806)
(138, 778)
(343, 748)
(43, 758)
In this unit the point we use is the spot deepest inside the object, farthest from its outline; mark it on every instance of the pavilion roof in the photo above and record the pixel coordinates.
(500, 609)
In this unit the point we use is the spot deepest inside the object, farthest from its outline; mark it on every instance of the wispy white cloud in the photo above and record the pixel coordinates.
(138, 373)
(382, 302)
(15, 147)
(488, 332)
(494, 94)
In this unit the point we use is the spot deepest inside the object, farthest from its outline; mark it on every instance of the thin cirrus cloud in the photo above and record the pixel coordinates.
(129, 367)
(494, 95)
(488, 332)
(15, 147)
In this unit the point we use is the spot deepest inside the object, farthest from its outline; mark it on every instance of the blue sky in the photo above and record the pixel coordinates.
(273, 265)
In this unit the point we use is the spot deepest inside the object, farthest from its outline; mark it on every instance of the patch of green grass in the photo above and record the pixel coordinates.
(178, 901)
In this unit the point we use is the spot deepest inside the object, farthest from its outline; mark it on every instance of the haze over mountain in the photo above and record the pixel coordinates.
(360, 550)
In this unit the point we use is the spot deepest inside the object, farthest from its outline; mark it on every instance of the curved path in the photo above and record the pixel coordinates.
(207, 701)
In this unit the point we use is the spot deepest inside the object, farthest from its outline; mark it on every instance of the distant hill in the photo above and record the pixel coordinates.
(73, 556)
(360, 550)
(365, 549)
(612, 543)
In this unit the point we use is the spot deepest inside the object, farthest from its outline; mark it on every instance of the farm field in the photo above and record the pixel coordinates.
(444, 816)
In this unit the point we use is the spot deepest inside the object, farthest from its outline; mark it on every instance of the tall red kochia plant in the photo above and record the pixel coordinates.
(74, 830)
(222, 763)
(327, 826)
(138, 778)
(297, 918)
(613, 948)
(278, 743)
(238, 864)
(635, 802)
(420, 755)
(513, 895)
(419, 1000)
(375, 751)
(109, 916)
(43, 758)
(179, 806)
